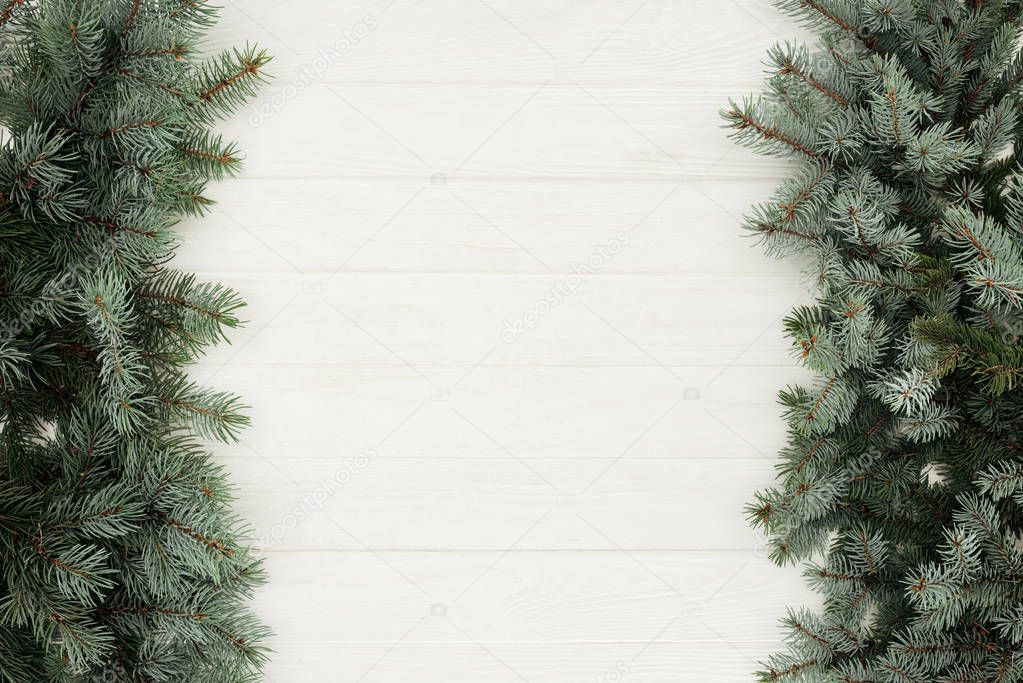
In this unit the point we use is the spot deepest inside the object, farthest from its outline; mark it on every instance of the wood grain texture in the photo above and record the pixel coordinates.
(416, 319)
(425, 503)
(533, 226)
(660, 661)
(504, 41)
(529, 597)
(507, 412)
(472, 132)
(512, 367)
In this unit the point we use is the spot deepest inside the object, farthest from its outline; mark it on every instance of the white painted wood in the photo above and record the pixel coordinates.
(529, 597)
(439, 499)
(707, 661)
(578, 413)
(503, 41)
(422, 503)
(475, 227)
(449, 318)
(471, 132)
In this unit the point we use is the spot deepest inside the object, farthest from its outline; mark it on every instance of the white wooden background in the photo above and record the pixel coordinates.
(439, 503)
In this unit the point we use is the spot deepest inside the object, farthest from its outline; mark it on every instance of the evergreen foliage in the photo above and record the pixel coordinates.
(120, 557)
(901, 487)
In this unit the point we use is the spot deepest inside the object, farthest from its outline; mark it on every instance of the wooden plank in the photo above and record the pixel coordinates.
(472, 662)
(532, 412)
(315, 225)
(503, 41)
(462, 132)
(525, 597)
(434, 502)
(502, 413)
(463, 319)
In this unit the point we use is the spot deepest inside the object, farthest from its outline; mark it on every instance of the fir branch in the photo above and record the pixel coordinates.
(212, 543)
(789, 67)
(153, 610)
(830, 16)
(918, 264)
(130, 19)
(177, 51)
(9, 8)
(113, 227)
(249, 69)
(128, 73)
(109, 146)
(767, 132)
(134, 125)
